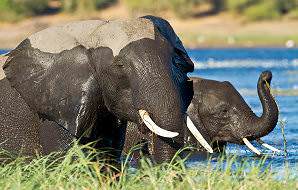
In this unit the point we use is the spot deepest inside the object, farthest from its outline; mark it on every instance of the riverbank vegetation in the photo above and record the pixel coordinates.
(82, 168)
(251, 10)
(13, 10)
(199, 23)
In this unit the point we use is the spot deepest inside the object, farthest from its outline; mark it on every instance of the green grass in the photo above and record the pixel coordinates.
(267, 10)
(79, 170)
(181, 8)
(15, 10)
(293, 14)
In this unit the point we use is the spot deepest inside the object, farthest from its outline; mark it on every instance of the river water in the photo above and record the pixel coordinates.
(242, 68)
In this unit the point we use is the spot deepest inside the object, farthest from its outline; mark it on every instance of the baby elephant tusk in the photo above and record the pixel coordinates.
(268, 146)
(153, 127)
(251, 147)
(198, 135)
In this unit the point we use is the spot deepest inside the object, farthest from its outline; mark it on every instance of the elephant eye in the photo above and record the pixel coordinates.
(225, 111)
(120, 65)
(118, 62)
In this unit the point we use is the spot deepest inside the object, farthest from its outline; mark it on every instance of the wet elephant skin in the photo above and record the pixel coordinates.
(22, 132)
(89, 92)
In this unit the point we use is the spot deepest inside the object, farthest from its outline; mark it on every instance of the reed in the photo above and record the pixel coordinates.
(84, 168)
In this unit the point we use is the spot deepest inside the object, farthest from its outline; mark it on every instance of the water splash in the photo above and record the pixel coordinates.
(247, 63)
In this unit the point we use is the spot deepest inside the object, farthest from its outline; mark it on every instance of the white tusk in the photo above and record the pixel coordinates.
(153, 127)
(268, 146)
(198, 135)
(251, 147)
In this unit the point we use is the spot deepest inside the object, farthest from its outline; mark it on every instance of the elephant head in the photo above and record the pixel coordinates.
(222, 115)
(143, 85)
(94, 74)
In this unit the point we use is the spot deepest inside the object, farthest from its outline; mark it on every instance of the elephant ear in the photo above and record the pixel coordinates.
(181, 58)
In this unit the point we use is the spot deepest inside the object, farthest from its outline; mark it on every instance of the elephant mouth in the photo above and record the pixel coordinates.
(155, 128)
(262, 143)
(169, 134)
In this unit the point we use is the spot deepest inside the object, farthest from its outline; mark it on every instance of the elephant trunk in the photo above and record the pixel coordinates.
(156, 98)
(263, 125)
(163, 107)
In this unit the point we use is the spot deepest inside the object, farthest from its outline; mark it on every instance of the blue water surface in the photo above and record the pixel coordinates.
(3, 51)
(242, 67)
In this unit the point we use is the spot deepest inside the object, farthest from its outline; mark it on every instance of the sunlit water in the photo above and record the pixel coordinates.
(3, 51)
(242, 68)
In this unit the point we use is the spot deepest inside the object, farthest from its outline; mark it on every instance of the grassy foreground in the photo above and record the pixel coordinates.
(79, 170)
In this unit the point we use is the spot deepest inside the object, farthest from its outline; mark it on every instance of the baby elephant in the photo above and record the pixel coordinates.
(221, 115)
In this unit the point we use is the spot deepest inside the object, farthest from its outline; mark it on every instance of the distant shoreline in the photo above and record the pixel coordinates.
(6, 50)
(217, 31)
(242, 42)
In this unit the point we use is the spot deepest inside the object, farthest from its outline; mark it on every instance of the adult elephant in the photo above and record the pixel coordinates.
(91, 77)
(221, 115)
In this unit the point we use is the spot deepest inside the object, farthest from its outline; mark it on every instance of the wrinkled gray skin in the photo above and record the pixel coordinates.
(89, 78)
(220, 114)
(20, 126)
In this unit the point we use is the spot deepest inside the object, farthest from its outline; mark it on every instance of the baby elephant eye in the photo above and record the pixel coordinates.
(225, 110)
(120, 65)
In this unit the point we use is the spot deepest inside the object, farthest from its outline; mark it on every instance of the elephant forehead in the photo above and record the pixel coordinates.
(212, 100)
(93, 34)
(65, 37)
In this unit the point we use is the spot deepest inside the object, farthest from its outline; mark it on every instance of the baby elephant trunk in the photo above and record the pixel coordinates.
(262, 126)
